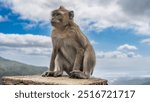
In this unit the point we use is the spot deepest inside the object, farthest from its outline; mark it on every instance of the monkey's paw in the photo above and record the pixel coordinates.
(78, 75)
(58, 74)
(47, 74)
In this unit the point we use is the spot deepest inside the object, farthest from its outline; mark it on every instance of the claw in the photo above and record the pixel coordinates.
(47, 74)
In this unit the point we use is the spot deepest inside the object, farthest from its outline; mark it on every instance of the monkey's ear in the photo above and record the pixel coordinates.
(61, 7)
(71, 14)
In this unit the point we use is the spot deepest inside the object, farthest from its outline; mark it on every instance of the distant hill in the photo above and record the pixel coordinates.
(132, 81)
(146, 83)
(9, 67)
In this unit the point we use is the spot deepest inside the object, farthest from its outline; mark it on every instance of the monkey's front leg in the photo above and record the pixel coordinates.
(76, 72)
(50, 71)
(55, 66)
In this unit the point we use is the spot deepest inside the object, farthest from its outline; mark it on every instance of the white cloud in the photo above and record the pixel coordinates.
(26, 44)
(27, 40)
(96, 15)
(33, 10)
(123, 51)
(113, 54)
(127, 47)
(29, 26)
(3, 19)
(117, 54)
(32, 51)
(93, 42)
(147, 41)
(127, 67)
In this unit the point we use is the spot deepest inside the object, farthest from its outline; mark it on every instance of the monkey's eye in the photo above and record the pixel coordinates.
(53, 14)
(56, 14)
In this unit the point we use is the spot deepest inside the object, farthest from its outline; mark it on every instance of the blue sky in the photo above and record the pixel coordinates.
(14, 24)
(119, 34)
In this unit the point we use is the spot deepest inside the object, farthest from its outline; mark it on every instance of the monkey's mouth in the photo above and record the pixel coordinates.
(53, 22)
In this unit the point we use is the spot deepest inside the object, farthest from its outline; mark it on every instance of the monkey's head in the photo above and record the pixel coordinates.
(61, 17)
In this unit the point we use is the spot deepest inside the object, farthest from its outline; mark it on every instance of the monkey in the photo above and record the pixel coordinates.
(72, 51)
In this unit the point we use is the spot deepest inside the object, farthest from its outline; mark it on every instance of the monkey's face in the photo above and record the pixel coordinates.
(61, 18)
(58, 18)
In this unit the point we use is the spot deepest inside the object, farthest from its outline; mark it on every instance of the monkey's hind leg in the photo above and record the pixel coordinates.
(78, 75)
(89, 62)
(88, 65)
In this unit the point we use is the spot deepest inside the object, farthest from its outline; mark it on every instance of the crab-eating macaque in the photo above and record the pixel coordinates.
(72, 51)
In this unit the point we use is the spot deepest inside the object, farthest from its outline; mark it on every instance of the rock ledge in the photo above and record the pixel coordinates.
(38, 80)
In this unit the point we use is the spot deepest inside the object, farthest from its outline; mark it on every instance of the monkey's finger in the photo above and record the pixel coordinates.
(50, 73)
(58, 74)
(44, 74)
(74, 74)
(79, 75)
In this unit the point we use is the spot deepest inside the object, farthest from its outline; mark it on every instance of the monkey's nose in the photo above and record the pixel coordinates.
(53, 20)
